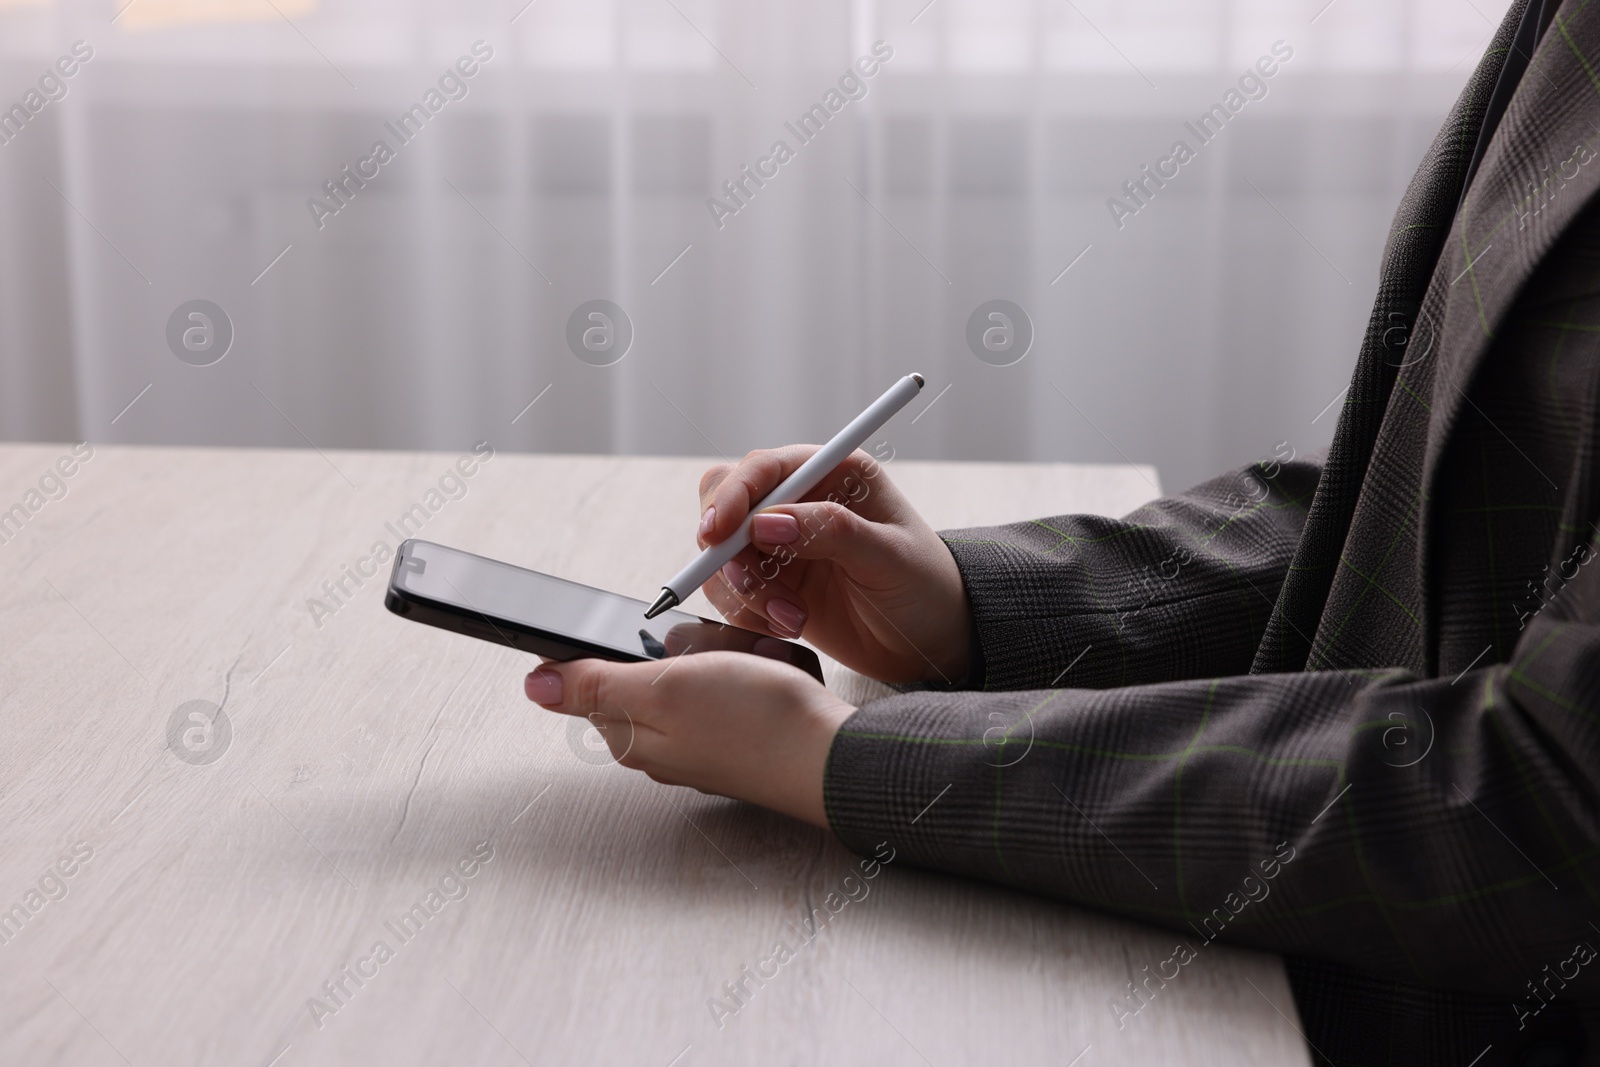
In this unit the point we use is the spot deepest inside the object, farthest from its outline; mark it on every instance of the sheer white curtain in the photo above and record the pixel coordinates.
(576, 163)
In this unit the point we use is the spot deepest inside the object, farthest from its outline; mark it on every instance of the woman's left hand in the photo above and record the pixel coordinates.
(729, 723)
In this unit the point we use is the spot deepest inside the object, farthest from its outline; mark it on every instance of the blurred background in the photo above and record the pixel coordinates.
(178, 163)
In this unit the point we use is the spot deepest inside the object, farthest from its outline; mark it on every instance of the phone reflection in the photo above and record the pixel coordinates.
(689, 637)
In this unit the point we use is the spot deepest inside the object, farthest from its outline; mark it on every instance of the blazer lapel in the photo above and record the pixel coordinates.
(1550, 134)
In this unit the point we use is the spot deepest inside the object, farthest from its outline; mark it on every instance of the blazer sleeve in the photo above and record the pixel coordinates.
(1443, 831)
(1180, 588)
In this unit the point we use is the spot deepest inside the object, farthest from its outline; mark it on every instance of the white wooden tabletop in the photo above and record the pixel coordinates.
(179, 891)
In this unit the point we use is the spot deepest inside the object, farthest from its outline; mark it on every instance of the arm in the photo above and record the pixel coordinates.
(1416, 828)
(1180, 588)
(1442, 832)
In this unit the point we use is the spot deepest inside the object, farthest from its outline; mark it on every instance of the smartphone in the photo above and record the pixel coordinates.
(552, 617)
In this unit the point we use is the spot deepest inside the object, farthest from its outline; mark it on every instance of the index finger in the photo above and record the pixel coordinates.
(727, 494)
(733, 488)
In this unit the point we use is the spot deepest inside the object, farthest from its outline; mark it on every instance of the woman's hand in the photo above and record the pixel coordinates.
(853, 568)
(729, 723)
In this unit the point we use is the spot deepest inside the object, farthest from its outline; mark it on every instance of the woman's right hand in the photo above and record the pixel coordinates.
(852, 568)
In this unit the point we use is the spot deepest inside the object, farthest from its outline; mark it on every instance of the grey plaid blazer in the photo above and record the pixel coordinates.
(1346, 709)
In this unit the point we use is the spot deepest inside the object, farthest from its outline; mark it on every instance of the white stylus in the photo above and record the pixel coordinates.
(805, 478)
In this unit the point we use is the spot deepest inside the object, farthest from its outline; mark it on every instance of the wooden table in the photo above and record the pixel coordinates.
(225, 911)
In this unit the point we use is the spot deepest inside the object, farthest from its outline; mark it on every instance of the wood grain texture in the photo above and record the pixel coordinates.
(370, 755)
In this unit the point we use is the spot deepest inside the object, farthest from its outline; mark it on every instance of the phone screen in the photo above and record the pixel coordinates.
(540, 601)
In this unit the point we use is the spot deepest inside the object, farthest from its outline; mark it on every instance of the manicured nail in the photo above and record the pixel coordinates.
(774, 529)
(787, 616)
(707, 521)
(737, 576)
(543, 687)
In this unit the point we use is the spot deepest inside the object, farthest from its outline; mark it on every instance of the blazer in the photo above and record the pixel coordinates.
(1346, 708)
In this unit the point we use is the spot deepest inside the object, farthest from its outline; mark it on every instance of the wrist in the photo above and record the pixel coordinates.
(808, 790)
(963, 656)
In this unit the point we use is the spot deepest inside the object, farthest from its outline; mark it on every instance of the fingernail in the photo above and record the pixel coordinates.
(791, 617)
(707, 521)
(737, 576)
(778, 529)
(543, 687)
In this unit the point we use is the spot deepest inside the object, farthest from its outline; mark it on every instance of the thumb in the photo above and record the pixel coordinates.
(825, 529)
(581, 687)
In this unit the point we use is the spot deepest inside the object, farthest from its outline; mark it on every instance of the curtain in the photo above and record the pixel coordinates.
(619, 158)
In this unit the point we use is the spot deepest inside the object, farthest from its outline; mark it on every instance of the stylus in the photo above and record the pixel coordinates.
(805, 478)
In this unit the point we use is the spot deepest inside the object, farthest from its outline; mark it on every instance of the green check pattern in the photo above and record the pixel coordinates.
(1387, 657)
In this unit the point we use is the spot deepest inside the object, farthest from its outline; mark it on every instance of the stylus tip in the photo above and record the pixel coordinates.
(919, 380)
(667, 599)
